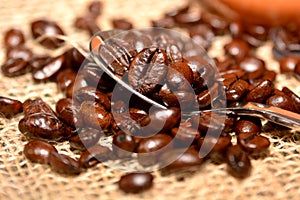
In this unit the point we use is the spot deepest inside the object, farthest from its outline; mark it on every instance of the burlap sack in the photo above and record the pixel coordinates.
(275, 177)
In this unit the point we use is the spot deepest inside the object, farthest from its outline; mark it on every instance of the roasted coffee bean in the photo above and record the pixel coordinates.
(238, 162)
(74, 58)
(281, 101)
(147, 70)
(179, 76)
(214, 147)
(49, 70)
(186, 135)
(165, 22)
(9, 107)
(219, 24)
(150, 148)
(161, 120)
(247, 126)
(14, 67)
(174, 54)
(89, 93)
(43, 126)
(20, 52)
(177, 11)
(202, 35)
(65, 78)
(95, 115)
(295, 98)
(13, 37)
(288, 64)
(95, 8)
(253, 41)
(37, 106)
(206, 97)
(37, 61)
(237, 49)
(269, 75)
(123, 144)
(126, 122)
(80, 82)
(260, 92)
(94, 155)
(188, 18)
(68, 111)
(253, 143)
(136, 182)
(85, 139)
(88, 24)
(38, 151)
(254, 66)
(237, 90)
(122, 24)
(49, 28)
(64, 164)
(257, 31)
(236, 29)
(180, 160)
(226, 64)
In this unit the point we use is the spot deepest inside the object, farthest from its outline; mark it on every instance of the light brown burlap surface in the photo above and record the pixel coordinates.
(275, 177)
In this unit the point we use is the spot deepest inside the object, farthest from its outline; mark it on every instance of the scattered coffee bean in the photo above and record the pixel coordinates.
(85, 138)
(94, 155)
(10, 107)
(253, 143)
(136, 182)
(13, 38)
(123, 144)
(122, 24)
(64, 164)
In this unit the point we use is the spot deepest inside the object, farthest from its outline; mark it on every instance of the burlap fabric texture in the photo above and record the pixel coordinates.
(275, 177)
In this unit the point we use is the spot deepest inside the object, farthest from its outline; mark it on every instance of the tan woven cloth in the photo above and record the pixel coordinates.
(275, 177)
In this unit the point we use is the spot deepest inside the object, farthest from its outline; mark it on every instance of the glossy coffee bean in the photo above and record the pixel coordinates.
(202, 35)
(13, 37)
(123, 144)
(88, 24)
(37, 61)
(254, 66)
(237, 49)
(38, 151)
(295, 98)
(64, 164)
(80, 82)
(85, 139)
(177, 11)
(236, 29)
(37, 106)
(74, 58)
(208, 121)
(218, 23)
(20, 52)
(247, 126)
(187, 19)
(14, 67)
(206, 97)
(94, 155)
(95, 115)
(238, 162)
(44, 27)
(288, 64)
(179, 76)
(253, 143)
(9, 107)
(122, 24)
(68, 112)
(49, 70)
(150, 148)
(260, 92)
(281, 101)
(65, 78)
(183, 99)
(180, 160)
(136, 182)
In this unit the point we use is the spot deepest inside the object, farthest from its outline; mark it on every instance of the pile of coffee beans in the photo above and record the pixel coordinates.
(163, 68)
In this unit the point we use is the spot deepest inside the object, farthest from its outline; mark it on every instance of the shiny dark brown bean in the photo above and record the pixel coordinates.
(85, 139)
(65, 78)
(122, 24)
(95, 115)
(38, 151)
(260, 92)
(253, 143)
(208, 121)
(281, 101)
(44, 27)
(64, 164)
(68, 112)
(37, 61)
(14, 67)
(13, 37)
(94, 155)
(20, 52)
(150, 148)
(80, 82)
(254, 66)
(236, 29)
(136, 182)
(206, 97)
(9, 107)
(180, 160)
(295, 98)
(147, 70)
(89, 93)
(247, 126)
(288, 64)
(219, 24)
(37, 106)
(237, 49)
(123, 144)
(88, 24)
(74, 58)
(202, 35)
(237, 90)
(238, 162)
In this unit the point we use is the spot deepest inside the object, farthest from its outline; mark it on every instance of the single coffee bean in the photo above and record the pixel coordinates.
(19, 52)
(68, 112)
(64, 164)
(49, 28)
(150, 148)
(95, 8)
(208, 121)
(74, 58)
(202, 35)
(206, 97)
(295, 98)
(80, 82)
(37, 61)
(236, 29)
(260, 92)
(219, 24)
(253, 143)
(10, 107)
(123, 144)
(65, 78)
(50, 69)
(88, 24)
(188, 18)
(38, 151)
(180, 160)
(94, 155)
(165, 22)
(95, 115)
(237, 90)
(122, 24)
(281, 101)
(254, 66)
(14, 67)
(247, 126)
(37, 106)
(85, 139)
(13, 38)
(237, 49)
(257, 31)
(288, 64)
(174, 53)
(238, 163)
(136, 182)
(269, 75)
